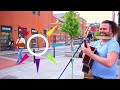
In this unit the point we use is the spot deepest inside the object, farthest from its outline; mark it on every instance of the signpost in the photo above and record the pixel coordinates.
(54, 41)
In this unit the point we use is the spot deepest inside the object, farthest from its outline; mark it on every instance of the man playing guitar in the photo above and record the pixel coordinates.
(105, 60)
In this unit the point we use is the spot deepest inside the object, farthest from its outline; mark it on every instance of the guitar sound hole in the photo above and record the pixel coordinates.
(92, 48)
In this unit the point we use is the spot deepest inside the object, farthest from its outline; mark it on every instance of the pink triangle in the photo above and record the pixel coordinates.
(24, 58)
(24, 31)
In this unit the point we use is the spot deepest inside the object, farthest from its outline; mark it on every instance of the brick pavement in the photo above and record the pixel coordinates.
(6, 63)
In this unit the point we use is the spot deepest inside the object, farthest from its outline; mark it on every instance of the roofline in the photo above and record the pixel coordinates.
(57, 18)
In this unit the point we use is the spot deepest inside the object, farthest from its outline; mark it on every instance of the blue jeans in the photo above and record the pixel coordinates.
(19, 54)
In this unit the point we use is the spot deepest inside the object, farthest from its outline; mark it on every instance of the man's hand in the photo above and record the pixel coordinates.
(87, 50)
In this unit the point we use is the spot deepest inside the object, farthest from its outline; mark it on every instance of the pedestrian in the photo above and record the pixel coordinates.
(9, 44)
(105, 60)
(89, 37)
(20, 42)
(12, 44)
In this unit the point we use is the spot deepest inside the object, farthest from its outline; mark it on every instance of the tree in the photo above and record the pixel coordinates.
(96, 34)
(71, 26)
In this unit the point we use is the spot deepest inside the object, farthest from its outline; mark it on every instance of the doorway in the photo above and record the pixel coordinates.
(6, 34)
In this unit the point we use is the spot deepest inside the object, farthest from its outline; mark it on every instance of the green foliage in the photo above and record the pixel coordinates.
(71, 26)
(96, 33)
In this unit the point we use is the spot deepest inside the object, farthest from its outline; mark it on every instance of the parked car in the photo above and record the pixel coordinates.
(67, 43)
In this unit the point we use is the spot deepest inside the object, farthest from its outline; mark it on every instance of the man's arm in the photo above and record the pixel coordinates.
(112, 55)
(109, 61)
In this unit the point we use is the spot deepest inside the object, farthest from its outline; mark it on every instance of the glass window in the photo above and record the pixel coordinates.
(33, 12)
(38, 13)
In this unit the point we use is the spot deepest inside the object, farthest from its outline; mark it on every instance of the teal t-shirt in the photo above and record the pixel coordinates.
(102, 50)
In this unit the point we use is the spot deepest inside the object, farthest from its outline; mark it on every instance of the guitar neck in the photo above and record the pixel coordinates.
(85, 44)
(85, 35)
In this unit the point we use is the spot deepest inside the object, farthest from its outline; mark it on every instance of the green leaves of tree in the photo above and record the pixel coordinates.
(71, 25)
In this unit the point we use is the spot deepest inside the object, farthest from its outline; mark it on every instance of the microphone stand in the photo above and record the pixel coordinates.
(70, 61)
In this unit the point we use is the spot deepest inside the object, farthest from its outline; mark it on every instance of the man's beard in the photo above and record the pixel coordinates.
(104, 34)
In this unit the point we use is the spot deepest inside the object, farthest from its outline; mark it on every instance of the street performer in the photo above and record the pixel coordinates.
(105, 60)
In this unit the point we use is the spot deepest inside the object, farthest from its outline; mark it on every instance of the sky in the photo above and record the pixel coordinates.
(92, 16)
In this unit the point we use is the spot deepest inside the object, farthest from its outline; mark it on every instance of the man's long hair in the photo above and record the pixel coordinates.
(115, 28)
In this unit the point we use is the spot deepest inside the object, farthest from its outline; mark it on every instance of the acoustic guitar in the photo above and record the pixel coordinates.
(87, 61)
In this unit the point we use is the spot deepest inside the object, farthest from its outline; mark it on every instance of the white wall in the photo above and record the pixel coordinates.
(116, 21)
(116, 17)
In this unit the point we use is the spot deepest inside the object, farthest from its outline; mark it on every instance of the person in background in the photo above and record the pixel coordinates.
(8, 44)
(12, 44)
(89, 37)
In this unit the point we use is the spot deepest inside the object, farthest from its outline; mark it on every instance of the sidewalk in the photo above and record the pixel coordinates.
(36, 49)
(47, 70)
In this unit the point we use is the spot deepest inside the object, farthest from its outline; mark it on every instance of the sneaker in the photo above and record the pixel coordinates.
(17, 62)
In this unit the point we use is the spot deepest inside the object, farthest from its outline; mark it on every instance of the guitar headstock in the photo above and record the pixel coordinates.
(86, 32)
(85, 35)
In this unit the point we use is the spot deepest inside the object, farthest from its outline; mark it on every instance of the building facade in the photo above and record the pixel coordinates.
(82, 25)
(28, 20)
(61, 37)
(34, 22)
(93, 26)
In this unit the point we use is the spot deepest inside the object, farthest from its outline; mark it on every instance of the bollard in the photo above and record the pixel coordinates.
(54, 41)
(54, 52)
(34, 56)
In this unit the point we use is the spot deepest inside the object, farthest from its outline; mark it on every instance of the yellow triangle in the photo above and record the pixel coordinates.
(51, 31)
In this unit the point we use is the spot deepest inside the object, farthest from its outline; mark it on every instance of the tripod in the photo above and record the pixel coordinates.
(70, 61)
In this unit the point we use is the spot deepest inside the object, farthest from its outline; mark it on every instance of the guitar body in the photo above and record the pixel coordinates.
(87, 62)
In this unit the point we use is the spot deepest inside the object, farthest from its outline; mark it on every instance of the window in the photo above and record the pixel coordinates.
(33, 12)
(62, 37)
(38, 13)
